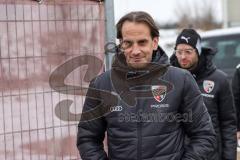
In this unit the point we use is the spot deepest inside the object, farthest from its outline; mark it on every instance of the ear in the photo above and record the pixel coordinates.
(155, 43)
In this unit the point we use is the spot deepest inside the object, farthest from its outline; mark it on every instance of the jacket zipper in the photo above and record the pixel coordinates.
(139, 139)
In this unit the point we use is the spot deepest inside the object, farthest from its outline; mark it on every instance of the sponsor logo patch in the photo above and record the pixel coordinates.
(116, 109)
(159, 105)
(185, 38)
(207, 95)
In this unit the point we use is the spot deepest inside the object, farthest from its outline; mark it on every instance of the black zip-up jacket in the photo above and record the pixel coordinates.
(218, 99)
(236, 93)
(151, 111)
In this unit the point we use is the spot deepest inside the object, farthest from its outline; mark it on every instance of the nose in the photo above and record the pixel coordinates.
(182, 56)
(135, 49)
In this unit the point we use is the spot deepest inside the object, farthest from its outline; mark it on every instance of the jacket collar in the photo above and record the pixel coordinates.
(159, 61)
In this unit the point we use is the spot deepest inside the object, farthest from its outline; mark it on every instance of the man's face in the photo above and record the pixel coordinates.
(187, 56)
(137, 44)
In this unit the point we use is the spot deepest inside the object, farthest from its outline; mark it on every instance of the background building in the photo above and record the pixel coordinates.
(231, 13)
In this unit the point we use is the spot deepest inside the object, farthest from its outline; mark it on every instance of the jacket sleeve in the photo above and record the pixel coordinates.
(91, 133)
(227, 119)
(236, 94)
(199, 128)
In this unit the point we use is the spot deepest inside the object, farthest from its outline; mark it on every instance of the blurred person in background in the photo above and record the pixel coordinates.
(236, 94)
(215, 88)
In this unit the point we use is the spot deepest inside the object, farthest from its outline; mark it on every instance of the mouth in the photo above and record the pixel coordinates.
(184, 63)
(137, 60)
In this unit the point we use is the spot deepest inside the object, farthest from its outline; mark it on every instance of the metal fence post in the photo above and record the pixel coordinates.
(110, 31)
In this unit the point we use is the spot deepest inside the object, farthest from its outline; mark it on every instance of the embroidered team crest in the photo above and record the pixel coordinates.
(208, 86)
(159, 92)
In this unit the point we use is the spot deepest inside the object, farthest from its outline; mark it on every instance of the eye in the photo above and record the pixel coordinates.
(126, 44)
(178, 52)
(188, 51)
(142, 42)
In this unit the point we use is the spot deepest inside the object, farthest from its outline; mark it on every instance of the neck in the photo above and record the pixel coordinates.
(192, 68)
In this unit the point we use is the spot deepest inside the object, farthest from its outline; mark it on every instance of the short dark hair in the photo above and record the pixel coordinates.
(138, 17)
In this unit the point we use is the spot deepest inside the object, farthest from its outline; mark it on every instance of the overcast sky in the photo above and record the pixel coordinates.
(165, 11)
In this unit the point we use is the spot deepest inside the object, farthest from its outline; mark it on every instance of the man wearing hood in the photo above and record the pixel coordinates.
(145, 106)
(215, 89)
(236, 94)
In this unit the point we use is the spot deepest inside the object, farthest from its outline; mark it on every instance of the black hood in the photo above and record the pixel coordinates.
(129, 82)
(159, 60)
(205, 65)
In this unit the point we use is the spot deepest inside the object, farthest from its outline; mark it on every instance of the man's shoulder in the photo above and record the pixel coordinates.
(102, 78)
(219, 74)
(238, 66)
(178, 71)
(102, 81)
(178, 75)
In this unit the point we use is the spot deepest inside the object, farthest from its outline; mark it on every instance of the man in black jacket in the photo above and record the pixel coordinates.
(215, 89)
(146, 106)
(236, 93)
